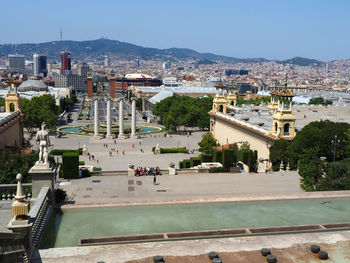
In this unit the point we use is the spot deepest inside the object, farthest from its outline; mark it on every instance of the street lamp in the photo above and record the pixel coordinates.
(334, 143)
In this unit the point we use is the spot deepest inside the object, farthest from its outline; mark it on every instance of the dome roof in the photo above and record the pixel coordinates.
(138, 76)
(32, 84)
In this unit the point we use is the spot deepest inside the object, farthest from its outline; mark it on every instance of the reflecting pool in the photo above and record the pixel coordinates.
(65, 229)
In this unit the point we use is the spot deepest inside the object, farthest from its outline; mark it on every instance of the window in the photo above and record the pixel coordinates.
(221, 108)
(286, 129)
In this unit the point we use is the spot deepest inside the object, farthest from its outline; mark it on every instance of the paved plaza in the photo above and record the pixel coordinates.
(119, 161)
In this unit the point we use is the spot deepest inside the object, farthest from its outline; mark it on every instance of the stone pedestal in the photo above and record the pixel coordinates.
(261, 167)
(42, 176)
(287, 168)
(157, 149)
(133, 118)
(131, 170)
(121, 119)
(171, 169)
(85, 150)
(96, 120)
(281, 167)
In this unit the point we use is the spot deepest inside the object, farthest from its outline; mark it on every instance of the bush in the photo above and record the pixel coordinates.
(60, 195)
(81, 163)
(206, 158)
(228, 158)
(97, 169)
(217, 156)
(218, 170)
(194, 161)
(70, 165)
(181, 165)
(62, 151)
(186, 163)
(85, 173)
(173, 150)
(153, 149)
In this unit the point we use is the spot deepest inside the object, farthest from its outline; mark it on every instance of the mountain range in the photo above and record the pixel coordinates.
(117, 49)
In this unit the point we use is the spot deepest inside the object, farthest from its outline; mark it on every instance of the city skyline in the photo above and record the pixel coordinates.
(245, 30)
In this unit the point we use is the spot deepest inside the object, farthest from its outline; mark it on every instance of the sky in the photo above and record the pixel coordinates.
(273, 29)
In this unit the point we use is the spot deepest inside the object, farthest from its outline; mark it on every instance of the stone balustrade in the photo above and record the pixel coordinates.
(8, 191)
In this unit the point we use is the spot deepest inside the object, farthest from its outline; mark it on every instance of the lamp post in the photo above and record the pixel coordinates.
(334, 143)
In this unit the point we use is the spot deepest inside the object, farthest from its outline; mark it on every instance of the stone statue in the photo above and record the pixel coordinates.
(157, 149)
(42, 137)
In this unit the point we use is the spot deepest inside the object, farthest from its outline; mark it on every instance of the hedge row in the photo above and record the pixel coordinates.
(62, 151)
(70, 165)
(173, 150)
(194, 161)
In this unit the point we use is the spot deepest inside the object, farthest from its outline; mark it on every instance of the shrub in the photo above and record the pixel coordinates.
(153, 149)
(228, 158)
(206, 158)
(186, 163)
(218, 169)
(81, 163)
(70, 165)
(85, 173)
(62, 151)
(173, 150)
(60, 195)
(217, 156)
(97, 169)
(194, 161)
(181, 165)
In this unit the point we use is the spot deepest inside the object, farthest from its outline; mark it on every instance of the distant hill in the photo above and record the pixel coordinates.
(117, 49)
(301, 61)
(113, 48)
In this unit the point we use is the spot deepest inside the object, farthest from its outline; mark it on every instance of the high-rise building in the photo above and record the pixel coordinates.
(77, 82)
(167, 65)
(65, 62)
(16, 62)
(39, 65)
(83, 70)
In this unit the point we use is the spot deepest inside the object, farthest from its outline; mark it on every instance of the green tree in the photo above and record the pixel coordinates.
(14, 162)
(38, 110)
(278, 153)
(310, 169)
(184, 111)
(207, 143)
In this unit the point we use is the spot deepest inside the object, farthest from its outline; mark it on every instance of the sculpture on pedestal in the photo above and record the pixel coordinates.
(42, 137)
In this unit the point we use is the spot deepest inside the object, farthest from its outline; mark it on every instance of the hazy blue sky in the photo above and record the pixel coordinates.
(274, 29)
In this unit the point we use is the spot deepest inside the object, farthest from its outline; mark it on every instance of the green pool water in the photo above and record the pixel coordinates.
(66, 228)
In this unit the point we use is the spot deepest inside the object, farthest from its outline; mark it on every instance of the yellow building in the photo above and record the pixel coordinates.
(230, 124)
(11, 123)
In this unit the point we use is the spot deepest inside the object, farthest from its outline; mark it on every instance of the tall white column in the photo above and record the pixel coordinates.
(133, 117)
(121, 118)
(96, 126)
(109, 125)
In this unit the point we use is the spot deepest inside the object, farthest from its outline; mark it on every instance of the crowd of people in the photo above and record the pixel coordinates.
(142, 171)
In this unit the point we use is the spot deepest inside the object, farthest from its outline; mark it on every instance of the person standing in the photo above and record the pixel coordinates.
(154, 179)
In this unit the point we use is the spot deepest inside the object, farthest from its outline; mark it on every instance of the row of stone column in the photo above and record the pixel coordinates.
(121, 119)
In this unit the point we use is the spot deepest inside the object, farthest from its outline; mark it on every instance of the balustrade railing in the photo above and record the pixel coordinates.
(39, 215)
(8, 191)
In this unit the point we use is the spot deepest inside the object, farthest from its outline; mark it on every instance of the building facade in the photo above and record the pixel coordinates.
(66, 64)
(16, 62)
(39, 65)
(230, 124)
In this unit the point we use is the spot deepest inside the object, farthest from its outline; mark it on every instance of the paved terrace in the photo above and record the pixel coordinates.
(187, 188)
(118, 161)
(293, 248)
